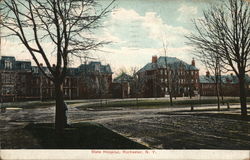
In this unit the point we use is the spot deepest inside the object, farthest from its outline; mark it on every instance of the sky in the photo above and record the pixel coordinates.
(137, 29)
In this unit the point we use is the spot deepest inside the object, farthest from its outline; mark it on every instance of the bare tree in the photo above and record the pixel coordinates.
(226, 30)
(65, 24)
(168, 77)
(212, 61)
(137, 84)
(102, 86)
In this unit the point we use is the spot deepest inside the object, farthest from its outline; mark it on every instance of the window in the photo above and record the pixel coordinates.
(8, 64)
(7, 78)
(35, 70)
(8, 90)
(97, 67)
(23, 66)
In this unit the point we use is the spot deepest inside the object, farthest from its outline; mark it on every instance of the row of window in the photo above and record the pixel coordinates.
(181, 81)
(7, 77)
(8, 90)
(178, 72)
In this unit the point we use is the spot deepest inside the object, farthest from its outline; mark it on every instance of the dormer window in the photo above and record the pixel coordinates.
(8, 64)
(35, 70)
(23, 66)
(97, 67)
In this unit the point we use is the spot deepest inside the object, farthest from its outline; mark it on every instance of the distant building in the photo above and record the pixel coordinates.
(229, 85)
(43, 88)
(165, 75)
(14, 78)
(19, 81)
(121, 86)
(95, 80)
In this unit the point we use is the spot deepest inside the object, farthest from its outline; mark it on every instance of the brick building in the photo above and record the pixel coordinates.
(121, 86)
(14, 78)
(95, 80)
(229, 85)
(43, 88)
(165, 75)
(19, 81)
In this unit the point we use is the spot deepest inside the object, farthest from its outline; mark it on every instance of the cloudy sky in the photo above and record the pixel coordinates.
(137, 29)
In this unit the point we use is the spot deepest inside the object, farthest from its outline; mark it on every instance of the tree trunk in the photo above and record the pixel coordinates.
(242, 95)
(221, 91)
(136, 100)
(190, 92)
(218, 95)
(60, 119)
(171, 98)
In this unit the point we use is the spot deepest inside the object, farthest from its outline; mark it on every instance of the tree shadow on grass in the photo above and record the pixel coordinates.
(80, 136)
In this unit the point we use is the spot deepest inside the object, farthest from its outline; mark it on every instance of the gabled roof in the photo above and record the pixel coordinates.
(170, 62)
(123, 77)
(207, 79)
(226, 79)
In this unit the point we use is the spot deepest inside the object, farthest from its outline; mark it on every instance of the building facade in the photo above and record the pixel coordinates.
(14, 78)
(95, 80)
(228, 85)
(168, 75)
(122, 86)
(21, 81)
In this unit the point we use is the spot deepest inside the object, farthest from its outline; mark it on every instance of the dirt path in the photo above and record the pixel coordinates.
(153, 127)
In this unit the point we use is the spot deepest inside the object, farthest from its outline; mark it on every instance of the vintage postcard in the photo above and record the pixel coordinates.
(124, 79)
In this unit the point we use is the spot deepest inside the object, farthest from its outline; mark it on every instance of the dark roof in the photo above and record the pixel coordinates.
(15, 65)
(123, 77)
(72, 71)
(36, 70)
(93, 67)
(206, 79)
(172, 62)
(7, 58)
(226, 79)
(23, 65)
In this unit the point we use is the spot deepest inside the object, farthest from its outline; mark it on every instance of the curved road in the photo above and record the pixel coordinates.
(172, 127)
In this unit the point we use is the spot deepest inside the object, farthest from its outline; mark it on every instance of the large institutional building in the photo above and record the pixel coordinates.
(228, 85)
(169, 75)
(19, 80)
(161, 77)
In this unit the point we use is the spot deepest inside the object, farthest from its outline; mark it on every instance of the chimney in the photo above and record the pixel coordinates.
(207, 74)
(193, 62)
(154, 59)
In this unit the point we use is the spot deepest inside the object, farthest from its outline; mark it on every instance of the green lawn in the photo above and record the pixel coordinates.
(157, 103)
(36, 104)
(80, 136)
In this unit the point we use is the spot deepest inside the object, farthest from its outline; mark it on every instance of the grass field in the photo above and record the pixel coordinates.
(36, 104)
(158, 103)
(142, 103)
